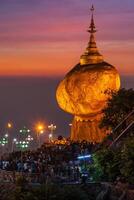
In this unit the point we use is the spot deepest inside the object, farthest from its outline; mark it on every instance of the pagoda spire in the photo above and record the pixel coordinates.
(92, 28)
(91, 55)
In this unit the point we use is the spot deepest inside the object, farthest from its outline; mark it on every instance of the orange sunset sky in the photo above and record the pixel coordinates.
(46, 38)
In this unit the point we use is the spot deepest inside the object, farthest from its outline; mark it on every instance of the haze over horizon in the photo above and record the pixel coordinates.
(26, 100)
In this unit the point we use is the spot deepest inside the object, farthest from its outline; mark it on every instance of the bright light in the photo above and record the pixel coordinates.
(14, 140)
(40, 127)
(6, 135)
(41, 132)
(52, 127)
(9, 125)
(29, 138)
(50, 135)
(83, 157)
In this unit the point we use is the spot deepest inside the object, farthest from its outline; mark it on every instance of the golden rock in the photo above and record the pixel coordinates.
(85, 90)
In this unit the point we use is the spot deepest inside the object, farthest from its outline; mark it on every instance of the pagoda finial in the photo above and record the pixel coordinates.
(91, 55)
(92, 28)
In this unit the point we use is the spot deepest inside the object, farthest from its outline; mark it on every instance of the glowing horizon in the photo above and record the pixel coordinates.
(47, 38)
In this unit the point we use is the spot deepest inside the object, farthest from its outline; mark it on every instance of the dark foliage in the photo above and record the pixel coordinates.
(109, 164)
(51, 192)
(118, 107)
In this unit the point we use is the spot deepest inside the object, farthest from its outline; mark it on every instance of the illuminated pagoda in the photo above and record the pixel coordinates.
(85, 90)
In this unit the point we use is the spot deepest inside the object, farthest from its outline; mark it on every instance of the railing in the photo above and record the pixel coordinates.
(126, 118)
(123, 132)
(118, 131)
(129, 126)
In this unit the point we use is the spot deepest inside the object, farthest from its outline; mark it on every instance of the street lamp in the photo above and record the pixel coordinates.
(9, 125)
(2, 145)
(40, 130)
(3, 142)
(29, 138)
(13, 142)
(52, 128)
(50, 137)
(24, 131)
(22, 144)
(6, 135)
(40, 127)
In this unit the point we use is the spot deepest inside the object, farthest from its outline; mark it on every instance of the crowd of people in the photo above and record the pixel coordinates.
(50, 159)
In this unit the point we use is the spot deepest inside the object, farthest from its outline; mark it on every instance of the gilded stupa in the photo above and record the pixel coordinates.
(85, 90)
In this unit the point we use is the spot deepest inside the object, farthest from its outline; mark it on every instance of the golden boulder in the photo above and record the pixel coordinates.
(85, 90)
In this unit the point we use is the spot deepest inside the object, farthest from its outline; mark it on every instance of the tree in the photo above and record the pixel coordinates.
(106, 164)
(110, 163)
(127, 160)
(118, 107)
